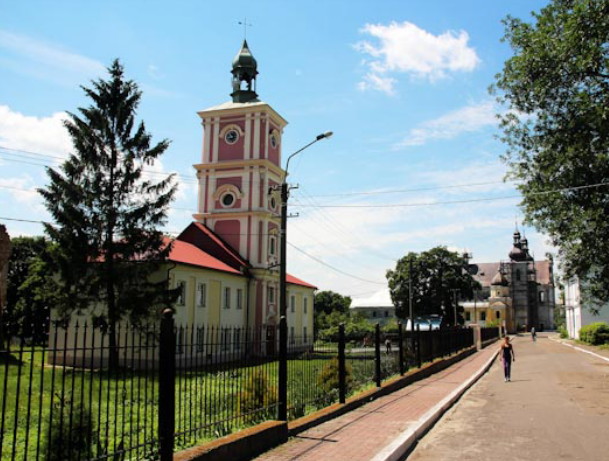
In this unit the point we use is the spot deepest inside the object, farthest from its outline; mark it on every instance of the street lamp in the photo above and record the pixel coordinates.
(282, 408)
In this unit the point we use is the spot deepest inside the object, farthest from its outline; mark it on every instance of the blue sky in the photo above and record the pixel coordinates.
(403, 86)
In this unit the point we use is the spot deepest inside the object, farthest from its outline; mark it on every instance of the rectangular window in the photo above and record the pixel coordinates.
(292, 338)
(181, 286)
(292, 303)
(497, 315)
(305, 305)
(304, 335)
(468, 316)
(237, 339)
(227, 298)
(239, 298)
(542, 296)
(202, 295)
(272, 246)
(270, 295)
(483, 316)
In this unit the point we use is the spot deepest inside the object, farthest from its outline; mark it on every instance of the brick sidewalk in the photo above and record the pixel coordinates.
(365, 432)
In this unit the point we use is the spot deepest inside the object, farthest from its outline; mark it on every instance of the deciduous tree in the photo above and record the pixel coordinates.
(555, 90)
(432, 275)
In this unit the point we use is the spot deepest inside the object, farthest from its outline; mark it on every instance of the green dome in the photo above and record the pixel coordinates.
(245, 60)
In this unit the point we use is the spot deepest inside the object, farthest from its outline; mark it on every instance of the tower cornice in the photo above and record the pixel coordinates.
(210, 168)
(240, 109)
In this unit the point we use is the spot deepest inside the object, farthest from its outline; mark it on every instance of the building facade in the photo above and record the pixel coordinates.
(517, 293)
(238, 215)
(225, 263)
(577, 313)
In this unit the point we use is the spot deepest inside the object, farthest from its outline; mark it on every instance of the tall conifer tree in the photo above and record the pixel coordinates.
(107, 210)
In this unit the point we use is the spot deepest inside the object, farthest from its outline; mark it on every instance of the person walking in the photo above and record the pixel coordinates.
(507, 356)
(533, 334)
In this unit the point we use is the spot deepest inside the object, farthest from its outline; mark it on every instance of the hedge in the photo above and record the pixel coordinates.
(595, 333)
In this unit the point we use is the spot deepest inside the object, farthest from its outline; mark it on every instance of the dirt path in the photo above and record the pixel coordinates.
(555, 408)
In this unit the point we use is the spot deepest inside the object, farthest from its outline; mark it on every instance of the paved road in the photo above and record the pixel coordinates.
(555, 408)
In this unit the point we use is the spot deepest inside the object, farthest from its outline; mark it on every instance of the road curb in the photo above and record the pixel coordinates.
(401, 444)
(581, 349)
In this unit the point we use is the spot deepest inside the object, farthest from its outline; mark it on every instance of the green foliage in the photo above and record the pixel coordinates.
(107, 214)
(433, 274)
(330, 309)
(327, 381)
(356, 327)
(258, 398)
(30, 289)
(69, 442)
(554, 93)
(329, 301)
(595, 333)
(562, 331)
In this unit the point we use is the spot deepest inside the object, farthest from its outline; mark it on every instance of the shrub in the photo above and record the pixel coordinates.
(595, 333)
(258, 398)
(563, 332)
(65, 442)
(327, 380)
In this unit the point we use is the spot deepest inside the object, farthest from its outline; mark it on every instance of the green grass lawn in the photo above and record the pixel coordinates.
(115, 411)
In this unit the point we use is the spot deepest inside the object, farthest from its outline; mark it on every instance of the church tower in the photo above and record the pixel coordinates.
(240, 167)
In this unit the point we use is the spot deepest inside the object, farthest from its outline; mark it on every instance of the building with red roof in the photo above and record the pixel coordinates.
(225, 263)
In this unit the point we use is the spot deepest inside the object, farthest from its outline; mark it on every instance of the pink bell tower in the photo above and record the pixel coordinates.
(240, 165)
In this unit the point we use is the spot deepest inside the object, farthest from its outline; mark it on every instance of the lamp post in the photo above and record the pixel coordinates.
(282, 407)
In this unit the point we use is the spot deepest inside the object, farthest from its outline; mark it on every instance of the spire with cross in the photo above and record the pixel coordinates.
(245, 25)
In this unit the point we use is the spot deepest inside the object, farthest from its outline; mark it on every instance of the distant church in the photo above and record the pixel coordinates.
(517, 293)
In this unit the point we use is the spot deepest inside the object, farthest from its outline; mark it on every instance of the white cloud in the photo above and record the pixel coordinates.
(45, 135)
(406, 48)
(465, 120)
(47, 61)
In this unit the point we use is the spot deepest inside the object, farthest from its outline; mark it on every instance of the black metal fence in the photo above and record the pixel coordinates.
(153, 390)
(489, 333)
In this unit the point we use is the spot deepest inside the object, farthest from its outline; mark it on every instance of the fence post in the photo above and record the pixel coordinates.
(342, 370)
(167, 371)
(401, 347)
(418, 346)
(377, 355)
(282, 373)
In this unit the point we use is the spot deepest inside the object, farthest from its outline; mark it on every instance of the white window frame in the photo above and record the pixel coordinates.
(202, 294)
(181, 301)
(226, 297)
(239, 298)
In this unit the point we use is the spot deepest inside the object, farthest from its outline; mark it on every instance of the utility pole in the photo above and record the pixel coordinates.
(410, 313)
(455, 292)
(282, 372)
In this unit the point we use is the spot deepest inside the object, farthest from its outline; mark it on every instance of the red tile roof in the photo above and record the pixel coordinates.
(486, 272)
(199, 246)
(187, 253)
(296, 281)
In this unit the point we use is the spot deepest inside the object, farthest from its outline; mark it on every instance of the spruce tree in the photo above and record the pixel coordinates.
(108, 211)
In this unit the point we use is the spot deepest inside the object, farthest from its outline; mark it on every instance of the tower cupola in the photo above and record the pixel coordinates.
(245, 69)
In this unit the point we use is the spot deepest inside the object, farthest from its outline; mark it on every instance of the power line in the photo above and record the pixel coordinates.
(332, 267)
(419, 189)
(449, 202)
